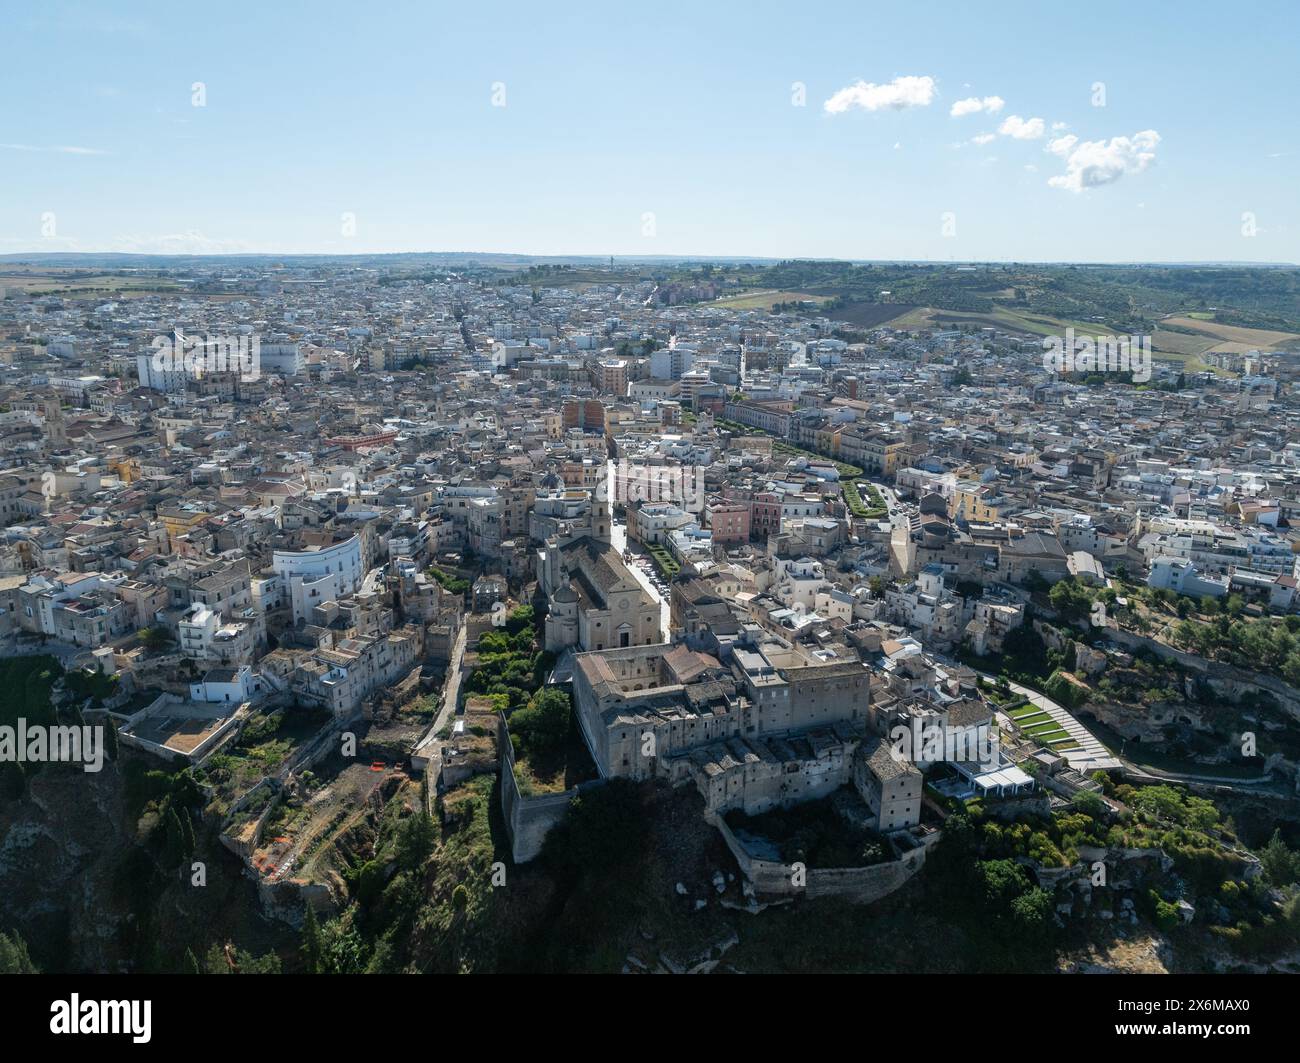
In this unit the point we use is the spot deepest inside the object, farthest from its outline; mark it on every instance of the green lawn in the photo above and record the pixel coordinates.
(1026, 709)
(1052, 733)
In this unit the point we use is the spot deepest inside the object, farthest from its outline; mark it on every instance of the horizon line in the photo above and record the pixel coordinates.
(18, 256)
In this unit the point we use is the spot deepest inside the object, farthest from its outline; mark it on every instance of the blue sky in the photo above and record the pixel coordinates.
(662, 128)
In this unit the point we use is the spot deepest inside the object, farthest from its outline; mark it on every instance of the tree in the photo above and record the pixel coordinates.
(174, 839)
(1070, 598)
(1185, 633)
(313, 947)
(1161, 802)
(13, 955)
(230, 960)
(267, 963)
(542, 728)
(344, 949)
(1089, 804)
(415, 839)
(520, 619)
(1281, 865)
(154, 638)
(1032, 910)
(1002, 881)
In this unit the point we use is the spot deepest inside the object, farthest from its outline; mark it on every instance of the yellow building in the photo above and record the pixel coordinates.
(973, 501)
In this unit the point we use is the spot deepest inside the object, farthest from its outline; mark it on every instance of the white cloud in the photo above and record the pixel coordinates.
(1091, 163)
(896, 95)
(1022, 128)
(975, 105)
(62, 149)
(190, 242)
(983, 138)
(1062, 146)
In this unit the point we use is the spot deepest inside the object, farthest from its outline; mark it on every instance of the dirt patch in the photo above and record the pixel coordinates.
(1140, 955)
(869, 315)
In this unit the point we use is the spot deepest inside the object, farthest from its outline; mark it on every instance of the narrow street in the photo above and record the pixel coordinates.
(618, 537)
(430, 745)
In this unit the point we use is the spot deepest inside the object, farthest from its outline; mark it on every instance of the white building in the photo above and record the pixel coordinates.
(286, 359)
(1177, 574)
(204, 636)
(319, 573)
(227, 685)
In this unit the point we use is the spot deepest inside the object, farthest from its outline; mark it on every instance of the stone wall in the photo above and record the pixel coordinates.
(244, 839)
(862, 885)
(529, 819)
(1226, 679)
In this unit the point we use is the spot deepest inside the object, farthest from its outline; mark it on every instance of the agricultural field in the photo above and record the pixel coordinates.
(1007, 320)
(83, 283)
(1221, 337)
(764, 300)
(1187, 339)
(872, 315)
(1179, 344)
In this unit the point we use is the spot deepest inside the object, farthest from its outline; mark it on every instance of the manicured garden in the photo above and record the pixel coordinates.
(1041, 726)
(853, 499)
(664, 561)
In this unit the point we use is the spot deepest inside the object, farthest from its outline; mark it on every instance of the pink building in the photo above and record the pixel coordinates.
(729, 521)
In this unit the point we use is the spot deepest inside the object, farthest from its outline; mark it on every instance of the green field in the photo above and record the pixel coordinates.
(764, 300)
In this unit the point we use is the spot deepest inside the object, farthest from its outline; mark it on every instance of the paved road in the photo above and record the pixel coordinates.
(900, 525)
(451, 690)
(429, 744)
(618, 536)
(1265, 784)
